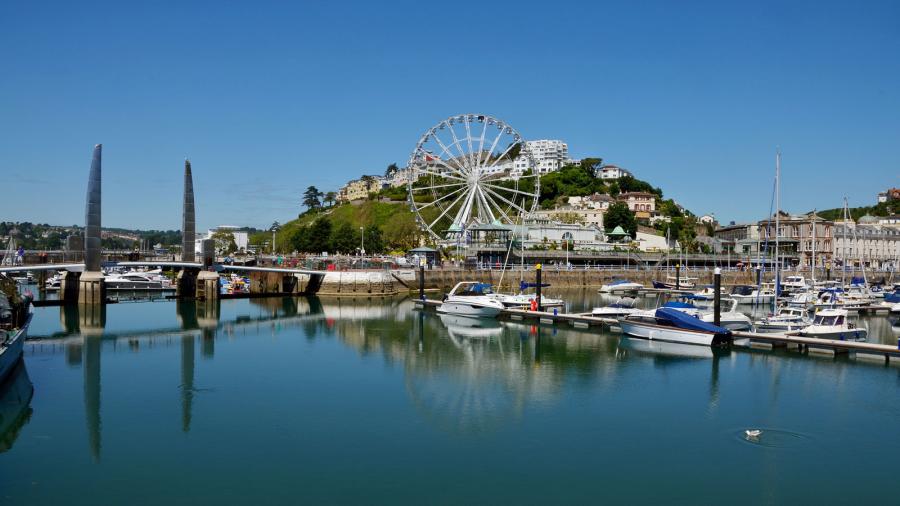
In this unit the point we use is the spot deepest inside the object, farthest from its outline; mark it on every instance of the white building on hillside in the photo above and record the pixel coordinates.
(241, 237)
(611, 172)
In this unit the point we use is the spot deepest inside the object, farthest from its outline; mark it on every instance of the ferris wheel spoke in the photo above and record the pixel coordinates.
(444, 212)
(472, 160)
(481, 142)
(493, 146)
(520, 192)
(504, 199)
(440, 174)
(497, 206)
(462, 152)
(434, 187)
(444, 149)
(465, 211)
(435, 201)
(508, 149)
(484, 209)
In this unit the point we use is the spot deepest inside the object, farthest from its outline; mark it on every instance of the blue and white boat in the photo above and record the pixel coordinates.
(672, 325)
(621, 286)
(624, 306)
(14, 321)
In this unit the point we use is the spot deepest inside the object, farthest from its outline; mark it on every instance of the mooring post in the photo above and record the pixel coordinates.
(421, 279)
(717, 289)
(537, 288)
(678, 276)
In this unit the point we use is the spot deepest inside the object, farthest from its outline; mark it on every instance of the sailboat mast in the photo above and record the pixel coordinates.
(777, 213)
(814, 247)
(843, 254)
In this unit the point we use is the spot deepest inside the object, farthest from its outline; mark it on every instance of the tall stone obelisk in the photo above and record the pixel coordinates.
(91, 289)
(187, 277)
(188, 220)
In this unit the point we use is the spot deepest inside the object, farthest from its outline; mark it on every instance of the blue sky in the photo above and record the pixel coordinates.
(267, 98)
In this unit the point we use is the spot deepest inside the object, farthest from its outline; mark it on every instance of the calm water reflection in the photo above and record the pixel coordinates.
(342, 400)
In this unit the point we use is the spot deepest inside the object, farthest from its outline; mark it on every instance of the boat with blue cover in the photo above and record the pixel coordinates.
(673, 325)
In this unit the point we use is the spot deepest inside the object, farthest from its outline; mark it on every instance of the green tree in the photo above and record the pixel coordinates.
(298, 240)
(330, 198)
(618, 214)
(391, 170)
(374, 240)
(344, 239)
(224, 242)
(311, 198)
(319, 237)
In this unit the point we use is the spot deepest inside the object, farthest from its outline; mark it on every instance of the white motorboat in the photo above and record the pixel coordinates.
(747, 294)
(794, 284)
(471, 298)
(676, 283)
(15, 317)
(788, 318)
(624, 306)
(135, 280)
(833, 324)
(671, 325)
(621, 286)
(803, 300)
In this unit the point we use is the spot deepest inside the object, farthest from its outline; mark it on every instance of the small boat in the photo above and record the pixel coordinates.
(671, 325)
(624, 306)
(135, 280)
(747, 294)
(523, 300)
(15, 316)
(621, 286)
(803, 300)
(788, 318)
(471, 298)
(673, 283)
(832, 324)
(793, 284)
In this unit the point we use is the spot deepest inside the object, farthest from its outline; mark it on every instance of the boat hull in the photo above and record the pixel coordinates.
(671, 334)
(468, 309)
(12, 352)
(835, 334)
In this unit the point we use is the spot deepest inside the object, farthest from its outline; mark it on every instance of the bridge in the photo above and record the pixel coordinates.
(83, 282)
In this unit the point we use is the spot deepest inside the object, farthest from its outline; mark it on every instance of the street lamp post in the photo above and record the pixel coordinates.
(362, 241)
(273, 239)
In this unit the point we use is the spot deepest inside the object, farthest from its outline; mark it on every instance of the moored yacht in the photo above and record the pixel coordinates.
(672, 325)
(833, 324)
(624, 306)
(786, 319)
(135, 280)
(16, 312)
(747, 294)
(621, 286)
(471, 298)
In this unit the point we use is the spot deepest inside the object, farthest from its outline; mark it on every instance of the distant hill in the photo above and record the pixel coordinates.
(890, 208)
(390, 214)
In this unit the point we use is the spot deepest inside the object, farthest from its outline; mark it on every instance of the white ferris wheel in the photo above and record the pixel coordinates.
(471, 169)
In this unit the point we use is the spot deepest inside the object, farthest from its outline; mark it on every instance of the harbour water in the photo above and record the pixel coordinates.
(368, 401)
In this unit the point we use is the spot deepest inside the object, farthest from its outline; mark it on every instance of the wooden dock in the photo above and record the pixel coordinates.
(746, 339)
